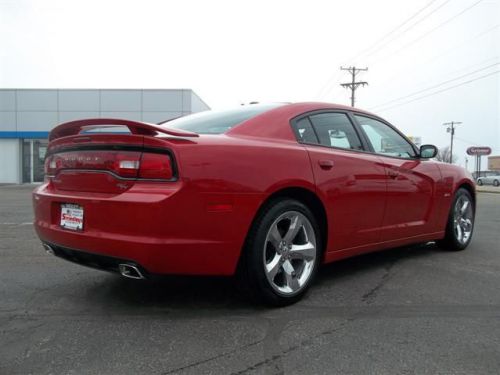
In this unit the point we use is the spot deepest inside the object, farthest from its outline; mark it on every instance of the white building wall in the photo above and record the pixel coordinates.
(197, 105)
(10, 161)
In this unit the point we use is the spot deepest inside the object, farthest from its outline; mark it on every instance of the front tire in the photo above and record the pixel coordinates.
(496, 183)
(460, 223)
(480, 182)
(282, 253)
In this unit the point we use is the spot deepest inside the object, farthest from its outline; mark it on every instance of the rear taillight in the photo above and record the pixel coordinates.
(156, 166)
(49, 166)
(127, 164)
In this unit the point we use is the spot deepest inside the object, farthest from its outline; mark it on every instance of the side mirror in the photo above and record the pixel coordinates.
(428, 151)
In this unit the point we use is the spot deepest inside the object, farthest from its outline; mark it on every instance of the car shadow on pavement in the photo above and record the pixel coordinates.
(189, 293)
(348, 268)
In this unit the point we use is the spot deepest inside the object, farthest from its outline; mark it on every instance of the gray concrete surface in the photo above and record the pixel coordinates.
(415, 310)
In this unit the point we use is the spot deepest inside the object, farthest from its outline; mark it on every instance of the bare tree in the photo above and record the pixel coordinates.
(444, 155)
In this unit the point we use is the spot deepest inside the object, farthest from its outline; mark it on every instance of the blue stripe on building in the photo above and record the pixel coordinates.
(26, 134)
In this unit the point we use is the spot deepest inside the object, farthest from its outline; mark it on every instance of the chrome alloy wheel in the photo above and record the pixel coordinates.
(463, 220)
(290, 253)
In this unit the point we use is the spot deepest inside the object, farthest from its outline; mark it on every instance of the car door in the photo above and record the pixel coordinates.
(411, 181)
(350, 181)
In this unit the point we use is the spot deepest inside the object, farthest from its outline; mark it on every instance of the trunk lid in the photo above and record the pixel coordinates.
(108, 162)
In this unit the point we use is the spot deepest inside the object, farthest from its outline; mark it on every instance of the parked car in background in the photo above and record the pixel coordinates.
(267, 192)
(490, 179)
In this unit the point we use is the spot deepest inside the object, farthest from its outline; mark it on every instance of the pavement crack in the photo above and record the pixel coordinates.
(206, 360)
(370, 296)
(274, 363)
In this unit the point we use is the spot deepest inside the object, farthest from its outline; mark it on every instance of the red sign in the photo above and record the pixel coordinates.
(479, 151)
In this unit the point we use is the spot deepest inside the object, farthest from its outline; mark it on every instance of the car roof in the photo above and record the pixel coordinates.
(298, 108)
(274, 123)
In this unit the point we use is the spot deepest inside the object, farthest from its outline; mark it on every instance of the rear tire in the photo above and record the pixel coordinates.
(480, 182)
(496, 183)
(282, 253)
(460, 225)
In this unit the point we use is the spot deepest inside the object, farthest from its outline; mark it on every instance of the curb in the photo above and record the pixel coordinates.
(488, 191)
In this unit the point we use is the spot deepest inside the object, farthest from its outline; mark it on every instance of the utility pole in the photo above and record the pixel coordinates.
(353, 85)
(451, 129)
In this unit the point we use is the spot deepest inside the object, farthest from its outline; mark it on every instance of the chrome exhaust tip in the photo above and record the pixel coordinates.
(48, 249)
(130, 271)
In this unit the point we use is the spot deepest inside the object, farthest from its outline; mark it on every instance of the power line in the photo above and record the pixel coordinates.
(404, 31)
(415, 40)
(434, 86)
(429, 32)
(440, 91)
(353, 85)
(450, 50)
(330, 81)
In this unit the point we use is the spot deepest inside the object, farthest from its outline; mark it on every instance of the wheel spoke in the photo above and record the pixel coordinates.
(275, 236)
(459, 232)
(306, 251)
(295, 225)
(273, 267)
(287, 266)
(291, 279)
(464, 207)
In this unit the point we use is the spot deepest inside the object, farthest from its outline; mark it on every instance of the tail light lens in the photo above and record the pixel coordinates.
(127, 164)
(50, 166)
(156, 166)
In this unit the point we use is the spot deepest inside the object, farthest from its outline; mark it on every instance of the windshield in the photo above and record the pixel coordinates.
(218, 122)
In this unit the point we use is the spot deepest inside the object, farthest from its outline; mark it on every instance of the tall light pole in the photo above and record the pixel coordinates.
(451, 129)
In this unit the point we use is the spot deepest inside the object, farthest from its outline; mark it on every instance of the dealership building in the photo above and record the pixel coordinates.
(28, 115)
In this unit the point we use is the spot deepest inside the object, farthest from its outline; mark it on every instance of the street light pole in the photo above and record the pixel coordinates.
(451, 129)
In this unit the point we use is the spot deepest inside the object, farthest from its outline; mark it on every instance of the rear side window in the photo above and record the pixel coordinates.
(305, 131)
(336, 130)
(218, 122)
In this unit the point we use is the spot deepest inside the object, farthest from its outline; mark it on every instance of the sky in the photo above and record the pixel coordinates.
(429, 61)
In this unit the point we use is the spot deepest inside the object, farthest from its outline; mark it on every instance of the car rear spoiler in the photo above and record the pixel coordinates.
(135, 127)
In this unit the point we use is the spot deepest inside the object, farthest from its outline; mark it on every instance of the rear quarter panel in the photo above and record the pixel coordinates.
(227, 178)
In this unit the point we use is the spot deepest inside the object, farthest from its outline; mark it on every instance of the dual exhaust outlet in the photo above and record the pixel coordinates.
(127, 270)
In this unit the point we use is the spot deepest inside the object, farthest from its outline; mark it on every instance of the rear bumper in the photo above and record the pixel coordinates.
(164, 228)
(97, 261)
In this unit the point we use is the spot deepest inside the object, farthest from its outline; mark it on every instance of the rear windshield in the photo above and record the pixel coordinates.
(218, 122)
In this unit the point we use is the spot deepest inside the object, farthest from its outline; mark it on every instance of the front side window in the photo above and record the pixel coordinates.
(384, 139)
(336, 130)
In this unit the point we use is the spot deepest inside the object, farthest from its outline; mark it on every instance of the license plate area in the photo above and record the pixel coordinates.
(71, 216)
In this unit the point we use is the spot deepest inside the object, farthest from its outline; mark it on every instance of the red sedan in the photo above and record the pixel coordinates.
(267, 192)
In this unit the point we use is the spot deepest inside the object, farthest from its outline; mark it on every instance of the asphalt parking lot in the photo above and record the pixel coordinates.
(416, 310)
